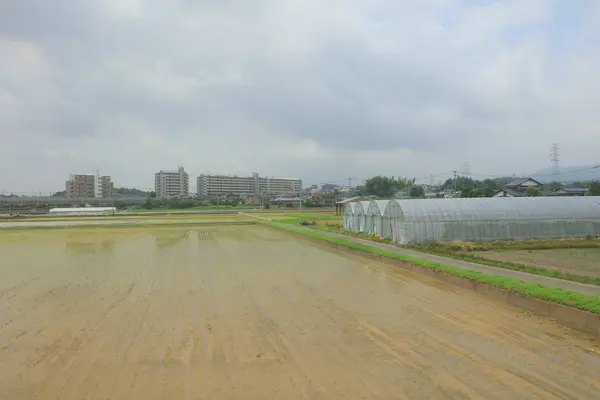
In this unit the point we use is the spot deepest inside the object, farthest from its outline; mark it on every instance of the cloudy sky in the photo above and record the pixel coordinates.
(321, 90)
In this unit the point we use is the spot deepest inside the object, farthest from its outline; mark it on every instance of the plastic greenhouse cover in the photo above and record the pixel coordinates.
(351, 207)
(512, 208)
(364, 205)
(380, 206)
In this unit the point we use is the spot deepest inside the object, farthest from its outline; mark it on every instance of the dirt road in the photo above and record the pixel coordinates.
(244, 312)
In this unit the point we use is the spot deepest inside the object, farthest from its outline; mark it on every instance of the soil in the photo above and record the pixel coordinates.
(247, 312)
(330, 222)
(577, 261)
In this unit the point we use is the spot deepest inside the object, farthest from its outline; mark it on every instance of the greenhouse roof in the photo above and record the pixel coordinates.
(380, 205)
(511, 208)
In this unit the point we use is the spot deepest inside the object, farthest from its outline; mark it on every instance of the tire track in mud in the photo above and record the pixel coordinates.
(270, 354)
(288, 340)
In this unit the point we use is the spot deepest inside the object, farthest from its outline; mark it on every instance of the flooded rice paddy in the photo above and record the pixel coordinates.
(246, 312)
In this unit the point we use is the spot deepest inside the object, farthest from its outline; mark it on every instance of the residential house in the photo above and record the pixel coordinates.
(517, 187)
(569, 191)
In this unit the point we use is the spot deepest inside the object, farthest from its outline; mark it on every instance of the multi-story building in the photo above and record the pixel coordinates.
(107, 186)
(172, 183)
(211, 185)
(89, 185)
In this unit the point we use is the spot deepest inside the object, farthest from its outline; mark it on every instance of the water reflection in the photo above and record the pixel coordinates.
(89, 243)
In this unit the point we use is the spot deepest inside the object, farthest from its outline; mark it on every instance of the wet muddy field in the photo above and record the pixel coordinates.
(246, 312)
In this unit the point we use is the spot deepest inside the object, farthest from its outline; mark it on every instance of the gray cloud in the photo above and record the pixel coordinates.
(319, 91)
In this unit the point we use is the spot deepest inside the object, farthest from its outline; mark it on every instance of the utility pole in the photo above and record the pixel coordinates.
(349, 183)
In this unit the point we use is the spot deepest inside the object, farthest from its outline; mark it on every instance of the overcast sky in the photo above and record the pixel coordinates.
(320, 90)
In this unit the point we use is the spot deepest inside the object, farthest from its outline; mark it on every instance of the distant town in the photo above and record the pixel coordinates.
(172, 190)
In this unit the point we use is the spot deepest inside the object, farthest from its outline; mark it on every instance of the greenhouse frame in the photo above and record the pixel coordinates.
(349, 219)
(375, 216)
(360, 215)
(482, 219)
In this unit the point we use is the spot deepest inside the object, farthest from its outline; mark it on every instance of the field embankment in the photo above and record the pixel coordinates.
(576, 260)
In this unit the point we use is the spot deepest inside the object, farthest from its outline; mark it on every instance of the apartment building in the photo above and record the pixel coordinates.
(211, 185)
(89, 185)
(107, 186)
(169, 184)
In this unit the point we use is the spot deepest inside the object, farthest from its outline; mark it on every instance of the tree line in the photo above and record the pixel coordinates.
(466, 187)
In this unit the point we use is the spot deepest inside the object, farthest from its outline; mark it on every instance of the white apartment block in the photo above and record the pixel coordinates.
(211, 185)
(169, 184)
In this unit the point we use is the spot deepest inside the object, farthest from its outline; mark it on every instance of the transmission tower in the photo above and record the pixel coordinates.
(465, 169)
(554, 159)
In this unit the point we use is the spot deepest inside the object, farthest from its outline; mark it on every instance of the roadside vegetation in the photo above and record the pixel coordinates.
(545, 292)
(475, 252)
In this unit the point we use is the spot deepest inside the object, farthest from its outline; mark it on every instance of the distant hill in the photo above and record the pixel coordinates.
(130, 192)
(569, 174)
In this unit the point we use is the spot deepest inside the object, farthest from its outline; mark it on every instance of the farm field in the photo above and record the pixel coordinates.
(579, 261)
(294, 218)
(248, 312)
(125, 217)
(116, 222)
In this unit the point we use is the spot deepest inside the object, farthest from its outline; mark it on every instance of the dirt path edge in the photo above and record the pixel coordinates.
(580, 320)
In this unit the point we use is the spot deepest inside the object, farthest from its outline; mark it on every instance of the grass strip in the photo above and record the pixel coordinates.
(590, 280)
(314, 216)
(555, 294)
(450, 252)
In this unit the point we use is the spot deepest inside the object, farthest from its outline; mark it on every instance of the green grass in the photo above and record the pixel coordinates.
(590, 280)
(545, 292)
(451, 251)
(193, 209)
(314, 216)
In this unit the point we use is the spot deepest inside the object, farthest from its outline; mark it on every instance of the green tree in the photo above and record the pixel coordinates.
(594, 189)
(381, 186)
(416, 191)
(553, 186)
(477, 192)
(532, 192)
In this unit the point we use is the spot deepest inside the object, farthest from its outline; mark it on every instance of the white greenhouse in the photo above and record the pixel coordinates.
(88, 211)
(375, 216)
(360, 212)
(488, 219)
(363, 221)
(349, 220)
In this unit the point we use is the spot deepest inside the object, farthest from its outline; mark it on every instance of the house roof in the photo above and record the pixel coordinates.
(564, 191)
(573, 190)
(520, 181)
(351, 199)
(511, 192)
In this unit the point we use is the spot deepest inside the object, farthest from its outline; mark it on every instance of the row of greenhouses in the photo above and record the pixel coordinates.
(421, 221)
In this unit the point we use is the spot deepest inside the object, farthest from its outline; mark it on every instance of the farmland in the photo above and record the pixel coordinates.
(322, 219)
(248, 312)
(580, 261)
